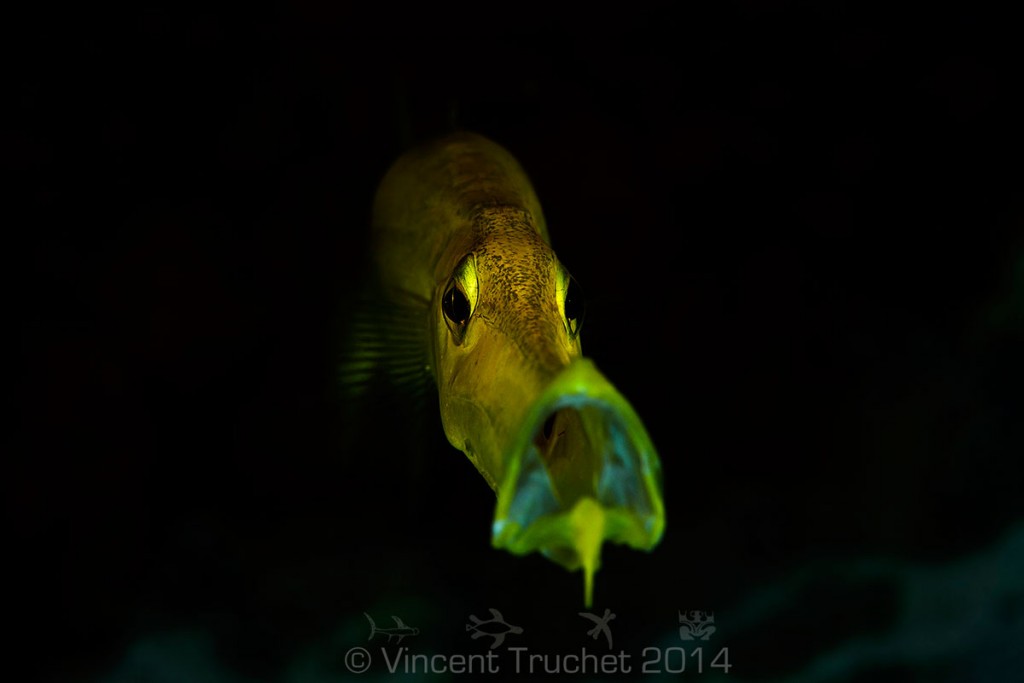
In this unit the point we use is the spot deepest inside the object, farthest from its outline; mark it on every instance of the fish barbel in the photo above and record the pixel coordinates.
(489, 314)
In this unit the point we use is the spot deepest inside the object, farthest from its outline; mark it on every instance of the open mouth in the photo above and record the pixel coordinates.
(582, 471)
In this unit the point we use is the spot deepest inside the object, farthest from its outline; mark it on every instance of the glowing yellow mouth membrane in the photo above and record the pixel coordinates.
(582, 471)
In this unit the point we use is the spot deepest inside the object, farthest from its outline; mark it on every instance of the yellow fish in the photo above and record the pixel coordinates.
(472, 298)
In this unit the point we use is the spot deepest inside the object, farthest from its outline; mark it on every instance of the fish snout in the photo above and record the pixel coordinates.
(547, 346)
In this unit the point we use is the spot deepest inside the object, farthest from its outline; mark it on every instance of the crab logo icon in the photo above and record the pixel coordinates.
(696, 625)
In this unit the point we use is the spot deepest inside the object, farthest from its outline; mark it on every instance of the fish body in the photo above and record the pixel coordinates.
(482, 308)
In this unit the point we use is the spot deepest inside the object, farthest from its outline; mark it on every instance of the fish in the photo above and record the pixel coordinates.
(399, 630)
(469, 299)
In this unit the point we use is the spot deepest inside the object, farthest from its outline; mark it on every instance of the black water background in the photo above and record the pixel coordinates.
(797, 226)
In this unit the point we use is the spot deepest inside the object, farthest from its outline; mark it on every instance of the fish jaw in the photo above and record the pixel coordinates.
(486, 396)
(604, 486)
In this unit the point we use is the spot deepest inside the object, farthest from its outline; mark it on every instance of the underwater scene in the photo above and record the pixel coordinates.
(365, 343)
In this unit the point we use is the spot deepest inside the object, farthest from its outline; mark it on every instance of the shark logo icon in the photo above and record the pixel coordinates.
(399, 630)
(696, 624)
(496, 627)
(602, 625)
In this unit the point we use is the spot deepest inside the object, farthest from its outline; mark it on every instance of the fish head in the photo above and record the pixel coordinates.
(507, 317)
(568, 457)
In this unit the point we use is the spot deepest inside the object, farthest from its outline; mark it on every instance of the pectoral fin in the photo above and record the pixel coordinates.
(385, 342)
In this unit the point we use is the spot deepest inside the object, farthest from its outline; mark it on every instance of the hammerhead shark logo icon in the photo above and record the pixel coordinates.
(399, 630)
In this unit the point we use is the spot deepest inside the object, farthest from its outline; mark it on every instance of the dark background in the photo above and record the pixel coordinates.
(799, 227)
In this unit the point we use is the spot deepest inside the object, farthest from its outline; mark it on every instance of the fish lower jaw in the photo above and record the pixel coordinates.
(582, 471)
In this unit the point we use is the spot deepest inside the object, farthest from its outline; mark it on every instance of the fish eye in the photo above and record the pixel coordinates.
(459, 298)
(573, 307)
(455, 304)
